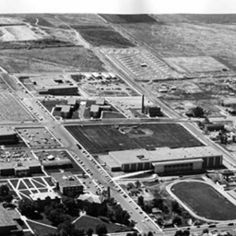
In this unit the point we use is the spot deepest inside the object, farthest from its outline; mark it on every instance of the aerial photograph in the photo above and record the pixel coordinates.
(117, 124)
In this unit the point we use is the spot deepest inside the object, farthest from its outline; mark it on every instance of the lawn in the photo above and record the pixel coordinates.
(204, 200)
(41, 230)
(106, 138)
(86, 222)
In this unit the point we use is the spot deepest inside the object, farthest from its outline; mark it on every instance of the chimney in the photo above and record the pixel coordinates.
(143, 107)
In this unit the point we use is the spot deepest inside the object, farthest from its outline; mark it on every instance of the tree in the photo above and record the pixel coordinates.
(179, 233)
(101, 230)
(27, 207)
(137, 184)
(198, 112)
(177, 221)
(158, 203)
(176, 208)
(4, 190)
(70, 206)
(141, 201)
(150, 233)
(90, 232)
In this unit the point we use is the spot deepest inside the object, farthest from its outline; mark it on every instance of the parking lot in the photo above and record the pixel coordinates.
(38, 138)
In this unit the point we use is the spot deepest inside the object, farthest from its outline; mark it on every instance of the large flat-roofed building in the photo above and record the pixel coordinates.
(8, 226)
(8, 136)
(164, 160)
(20, 168)
(67, 183)
(55, 85)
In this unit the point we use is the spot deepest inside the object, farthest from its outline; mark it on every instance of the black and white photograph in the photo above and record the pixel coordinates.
(118, 118)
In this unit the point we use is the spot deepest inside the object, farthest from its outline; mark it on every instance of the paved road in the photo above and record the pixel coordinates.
(144, 222)
(228, 160)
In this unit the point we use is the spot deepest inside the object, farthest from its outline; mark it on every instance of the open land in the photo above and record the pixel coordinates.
(101, 139)
(204, 200)
(50, 60)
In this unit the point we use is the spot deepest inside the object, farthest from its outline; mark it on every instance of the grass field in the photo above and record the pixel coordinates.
(105, 36)
(87, 222)
(204, 200)
(11, 109)
(51, 59)
(141, 18)
(41, 230)
(105, 138)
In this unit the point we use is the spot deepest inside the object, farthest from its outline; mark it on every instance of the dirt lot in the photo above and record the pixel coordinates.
(105, 138)
(105, 36)
(51, 59)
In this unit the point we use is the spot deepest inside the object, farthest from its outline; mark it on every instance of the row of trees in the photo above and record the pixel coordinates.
(59, 212)
(166, 207)
(68, 229)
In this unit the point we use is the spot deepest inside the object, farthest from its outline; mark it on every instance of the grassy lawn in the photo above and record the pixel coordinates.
(86, 222)
(41, 230)
(204, 200)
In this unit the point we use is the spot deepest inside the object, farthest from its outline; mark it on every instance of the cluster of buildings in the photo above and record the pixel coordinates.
(164, 160)
(97, 108)
(66, 111)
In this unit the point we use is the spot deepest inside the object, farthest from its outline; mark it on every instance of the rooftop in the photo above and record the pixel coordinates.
(7, 131)
(19, 164)
(66, 179)
(162, 154)
(5, 218)
(65, 108)
(44, 195)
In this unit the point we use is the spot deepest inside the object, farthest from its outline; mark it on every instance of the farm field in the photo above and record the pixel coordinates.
(50, 60)
(106, 138)
(204, 200)
(81, 19)
(118, 19)
(11, 109)
(187, 39)
(103, 36)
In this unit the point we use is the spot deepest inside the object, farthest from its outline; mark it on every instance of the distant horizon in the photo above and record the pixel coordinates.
(118, 6)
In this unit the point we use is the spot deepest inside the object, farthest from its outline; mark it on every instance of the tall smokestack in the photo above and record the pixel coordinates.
(143, 107)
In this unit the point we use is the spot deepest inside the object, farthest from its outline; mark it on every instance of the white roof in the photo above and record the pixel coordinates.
(162, 154)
